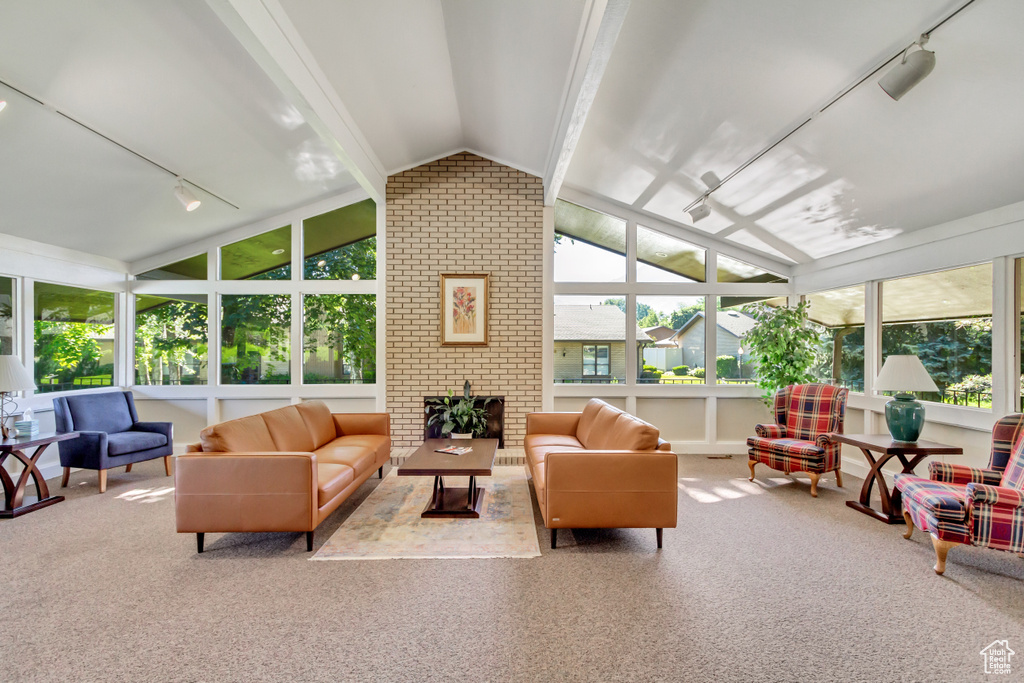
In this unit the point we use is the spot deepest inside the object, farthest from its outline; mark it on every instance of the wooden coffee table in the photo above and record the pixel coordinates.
(445, 501)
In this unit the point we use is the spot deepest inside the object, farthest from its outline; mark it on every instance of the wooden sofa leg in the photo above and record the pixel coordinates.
(941, 548)
(128, 468)
(167, 465)
(199, 541)
(554, 537)
(309, 541)
(658, 531)
(750, 464)
(910, 524)
(103, 481)
(380, 472)
(839, 479)
(814, 483)
(64, 479)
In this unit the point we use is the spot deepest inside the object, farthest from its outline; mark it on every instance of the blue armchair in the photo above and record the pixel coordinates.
(110, 434)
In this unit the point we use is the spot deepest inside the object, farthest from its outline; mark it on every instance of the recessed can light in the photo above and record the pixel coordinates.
(661, 254)
(321, 263)
(355, 276)
(277, 252)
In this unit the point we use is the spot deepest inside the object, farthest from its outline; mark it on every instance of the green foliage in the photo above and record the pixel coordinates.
(650, 372)
(349, 322)
(358, 258)
(67, 350)
(254, 328)
(783, 345)
(172, 336)
(950, 349)
(726, 366)
(462, 416)
(680, 370)
(699, 373)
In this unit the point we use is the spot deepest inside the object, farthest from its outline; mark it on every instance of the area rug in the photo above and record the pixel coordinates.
(387, 525)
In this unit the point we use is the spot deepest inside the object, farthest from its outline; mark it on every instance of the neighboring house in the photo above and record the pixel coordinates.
(685, 346)
(590, 343)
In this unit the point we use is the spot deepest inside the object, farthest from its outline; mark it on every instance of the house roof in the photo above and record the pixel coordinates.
(734, 322)
(597, 322)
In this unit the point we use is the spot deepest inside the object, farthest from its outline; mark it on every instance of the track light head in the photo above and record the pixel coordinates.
(699, 212)
(911, 70)
(185, 196)
(711, 180)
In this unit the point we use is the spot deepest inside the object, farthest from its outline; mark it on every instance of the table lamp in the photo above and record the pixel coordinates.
(904, 415)
(13, 377)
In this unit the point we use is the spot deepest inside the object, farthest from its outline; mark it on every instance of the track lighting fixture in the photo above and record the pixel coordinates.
(711, 180)
(185, 196)
(701, 211)
(911, 70)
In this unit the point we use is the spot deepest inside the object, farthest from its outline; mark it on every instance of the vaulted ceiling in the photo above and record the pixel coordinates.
(272, 104)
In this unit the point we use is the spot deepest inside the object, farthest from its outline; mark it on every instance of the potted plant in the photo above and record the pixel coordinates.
(459, 418)
(783, 345)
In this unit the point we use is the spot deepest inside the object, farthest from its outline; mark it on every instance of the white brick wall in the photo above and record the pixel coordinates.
(463, 214)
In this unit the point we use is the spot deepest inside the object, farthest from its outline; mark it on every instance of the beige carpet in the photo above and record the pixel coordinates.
(387, 525)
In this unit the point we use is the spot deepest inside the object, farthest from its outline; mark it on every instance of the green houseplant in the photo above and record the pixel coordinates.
(458, 416)
(783, 345)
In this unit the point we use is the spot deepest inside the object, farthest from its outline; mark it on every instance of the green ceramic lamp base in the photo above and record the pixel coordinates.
(904, 416)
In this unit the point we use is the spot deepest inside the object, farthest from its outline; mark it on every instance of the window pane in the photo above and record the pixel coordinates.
(734, 364)
(339, 339)
(590, 340)
(589, 246)
(262, 257)
(733, 270)
(838, 315)
(341, 244)
(193, 268)
(1020, 329)
(945, 319)
(670, 339)
(661, 258)
(74, 330)
(171, 339)
(255, 339)
(6, 316)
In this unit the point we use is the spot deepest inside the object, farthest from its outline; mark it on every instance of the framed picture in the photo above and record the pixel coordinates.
(464, 309)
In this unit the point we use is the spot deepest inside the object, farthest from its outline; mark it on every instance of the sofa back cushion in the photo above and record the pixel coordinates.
(587, 420)
(811, 411)
(319, 422)
(243, 435)
(612, 429)
(288, 429)
(108, 412)
(1013, 475)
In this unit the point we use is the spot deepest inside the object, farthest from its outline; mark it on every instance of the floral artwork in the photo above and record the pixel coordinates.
(464, 310)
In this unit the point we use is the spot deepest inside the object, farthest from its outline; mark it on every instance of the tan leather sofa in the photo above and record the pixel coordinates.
(283, 470)
(601, 468)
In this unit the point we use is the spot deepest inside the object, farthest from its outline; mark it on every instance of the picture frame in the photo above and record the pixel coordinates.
(464, 299)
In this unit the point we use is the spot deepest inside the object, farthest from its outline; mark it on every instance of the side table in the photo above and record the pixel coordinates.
(892, 501)
(14, 492)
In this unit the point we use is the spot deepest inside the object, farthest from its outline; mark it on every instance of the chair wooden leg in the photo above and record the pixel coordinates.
(554, 536)
(167, 465)
(128, 468)
(309, 541)
(64, 479)
(380, 472)
(941, 548)
(103, 481)
(199, 541)
(814, 483)
(839, 479)
(750, 464)
(910, 524)
(658, 531)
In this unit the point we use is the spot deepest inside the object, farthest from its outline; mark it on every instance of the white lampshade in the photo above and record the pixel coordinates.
(904, 373)
(14, 376)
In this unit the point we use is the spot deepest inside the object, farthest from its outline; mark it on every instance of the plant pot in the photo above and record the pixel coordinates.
(454, 435)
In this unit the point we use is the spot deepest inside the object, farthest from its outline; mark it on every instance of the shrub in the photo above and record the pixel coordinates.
(698, 373)
(650, 372)
(726, 366)
(680, 370)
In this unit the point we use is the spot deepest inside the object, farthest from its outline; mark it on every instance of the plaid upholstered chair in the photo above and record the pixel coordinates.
(805, 416)
(961, 505)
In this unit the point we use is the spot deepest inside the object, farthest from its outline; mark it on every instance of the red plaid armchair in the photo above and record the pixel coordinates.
(961, 505)
(806, 415)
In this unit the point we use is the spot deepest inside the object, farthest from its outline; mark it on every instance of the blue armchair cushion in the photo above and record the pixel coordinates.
(108, 412)
(120, 443)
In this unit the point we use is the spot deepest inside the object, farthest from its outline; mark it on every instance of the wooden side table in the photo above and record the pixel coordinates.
(14, 492)
(892, 501)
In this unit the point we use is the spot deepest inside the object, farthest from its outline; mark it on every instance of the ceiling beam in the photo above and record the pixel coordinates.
(265, 31)
(602, 20)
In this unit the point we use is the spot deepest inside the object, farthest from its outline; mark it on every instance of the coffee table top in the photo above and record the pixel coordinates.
(883, 443)
(427, 462)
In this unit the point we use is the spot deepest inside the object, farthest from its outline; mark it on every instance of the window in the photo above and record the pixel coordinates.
(670, 339)
(945, 319)
(734, 364)
(74, 337)
(339, 339)
(589, 246)
(341, 244)
(263, 257)
(171, 340)
(839, 317)
(734, 270)
(1020, 330)
(590, 340)
(255, 342)
(6, 316)
(662, 258)
(193, 268)
(596, 360)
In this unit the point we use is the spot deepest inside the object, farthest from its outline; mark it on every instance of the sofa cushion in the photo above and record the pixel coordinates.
(331, 479)
(943, 501)
(107, 412)
(630, 433)
(587, 419)
(380, 445)
(1013, 475)
(288, 430)
(319, 422)
(359, 458)
(794, 447)
(247, 434)
(120, 443)
(539, 483)
(539, 454)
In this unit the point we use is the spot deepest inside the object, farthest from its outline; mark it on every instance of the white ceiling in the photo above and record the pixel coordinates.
(689, 87)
